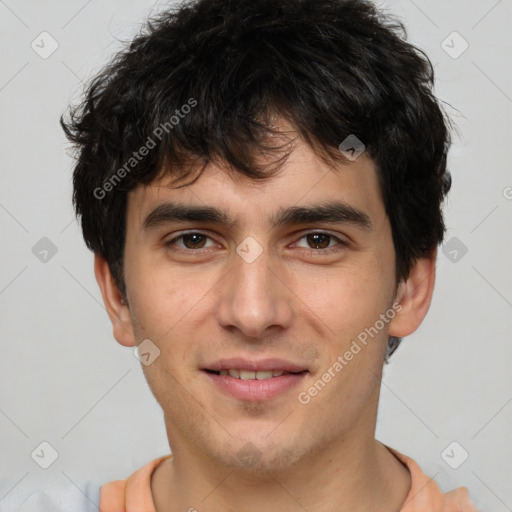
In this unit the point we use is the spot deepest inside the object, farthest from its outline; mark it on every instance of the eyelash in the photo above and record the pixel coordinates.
(310, 252)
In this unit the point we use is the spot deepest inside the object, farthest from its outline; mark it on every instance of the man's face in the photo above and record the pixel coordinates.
(285, 297)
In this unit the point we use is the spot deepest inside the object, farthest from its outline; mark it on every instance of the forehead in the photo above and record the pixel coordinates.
(304, 179)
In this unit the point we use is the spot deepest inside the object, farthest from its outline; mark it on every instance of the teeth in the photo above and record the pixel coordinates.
(263, 375)
(250, 375)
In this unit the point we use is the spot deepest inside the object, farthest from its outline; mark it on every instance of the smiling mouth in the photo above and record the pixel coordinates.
(255, 381)
(252, 375)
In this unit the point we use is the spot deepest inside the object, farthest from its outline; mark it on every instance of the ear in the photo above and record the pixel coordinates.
(117, 310)
(414, 295)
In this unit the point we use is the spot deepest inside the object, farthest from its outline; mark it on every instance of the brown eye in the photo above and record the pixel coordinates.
(193, 240)
(321, 244)
(319, 240)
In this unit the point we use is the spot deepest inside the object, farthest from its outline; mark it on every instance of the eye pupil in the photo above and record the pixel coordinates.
(195, 238)
(316, 240)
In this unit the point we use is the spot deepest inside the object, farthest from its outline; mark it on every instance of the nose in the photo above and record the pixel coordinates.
(254, 297)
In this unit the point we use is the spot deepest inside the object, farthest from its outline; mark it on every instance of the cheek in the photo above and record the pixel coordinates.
(164, 308)
(346, 300)
(158, 297)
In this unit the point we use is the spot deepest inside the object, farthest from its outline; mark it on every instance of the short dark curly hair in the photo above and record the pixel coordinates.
(203, 80)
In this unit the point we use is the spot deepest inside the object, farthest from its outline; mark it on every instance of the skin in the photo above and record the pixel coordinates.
(304, 308)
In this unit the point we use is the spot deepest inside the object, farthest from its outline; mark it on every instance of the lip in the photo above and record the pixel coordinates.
(264, 365)
(255, 390)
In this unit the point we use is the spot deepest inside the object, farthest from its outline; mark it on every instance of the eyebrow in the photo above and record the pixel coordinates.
(333, 212)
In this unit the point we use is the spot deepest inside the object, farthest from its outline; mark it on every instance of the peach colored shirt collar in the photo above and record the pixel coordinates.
(134, 493)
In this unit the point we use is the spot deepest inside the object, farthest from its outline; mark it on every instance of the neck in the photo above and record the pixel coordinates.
(357, 474)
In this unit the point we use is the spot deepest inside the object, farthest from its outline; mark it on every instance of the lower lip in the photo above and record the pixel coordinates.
(256, 390)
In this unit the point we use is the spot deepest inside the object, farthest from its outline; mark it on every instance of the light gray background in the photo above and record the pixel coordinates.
(65, 380)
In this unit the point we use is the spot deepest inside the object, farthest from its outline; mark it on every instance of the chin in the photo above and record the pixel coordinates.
(259, 455)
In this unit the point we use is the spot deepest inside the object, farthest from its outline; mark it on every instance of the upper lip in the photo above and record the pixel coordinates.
(270, 364)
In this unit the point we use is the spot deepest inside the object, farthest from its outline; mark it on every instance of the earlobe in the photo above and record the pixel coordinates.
(414, 295)
(115, 305)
